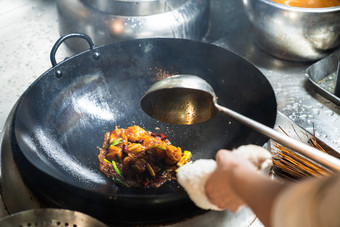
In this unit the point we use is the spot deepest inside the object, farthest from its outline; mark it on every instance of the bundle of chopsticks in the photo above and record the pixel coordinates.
(289, 165)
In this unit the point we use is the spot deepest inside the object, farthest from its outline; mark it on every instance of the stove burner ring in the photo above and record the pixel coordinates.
(50, 217)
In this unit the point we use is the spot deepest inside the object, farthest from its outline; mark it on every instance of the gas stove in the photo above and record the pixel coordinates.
(228, 28)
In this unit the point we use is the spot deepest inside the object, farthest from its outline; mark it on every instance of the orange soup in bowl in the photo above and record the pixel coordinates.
(309, 3)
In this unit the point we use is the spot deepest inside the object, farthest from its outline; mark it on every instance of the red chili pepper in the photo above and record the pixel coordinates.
(162, 136)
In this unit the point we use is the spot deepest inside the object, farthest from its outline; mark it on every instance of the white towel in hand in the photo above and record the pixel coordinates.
(192, 177)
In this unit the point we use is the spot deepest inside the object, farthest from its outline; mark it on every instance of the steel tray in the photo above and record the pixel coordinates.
(323, 75)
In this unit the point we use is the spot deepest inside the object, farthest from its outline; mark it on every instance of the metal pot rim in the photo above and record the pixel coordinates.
(135, 7)
(300, 9)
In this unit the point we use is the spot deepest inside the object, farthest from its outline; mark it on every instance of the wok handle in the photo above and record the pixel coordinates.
(64, 38)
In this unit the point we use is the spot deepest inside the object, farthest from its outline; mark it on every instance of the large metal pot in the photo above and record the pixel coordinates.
(62, 117)
(108, 21)
(292, 33)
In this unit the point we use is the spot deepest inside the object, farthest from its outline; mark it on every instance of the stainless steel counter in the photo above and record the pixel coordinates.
(28, 30)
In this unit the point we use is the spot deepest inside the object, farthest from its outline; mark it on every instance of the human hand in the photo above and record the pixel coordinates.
(220, 187)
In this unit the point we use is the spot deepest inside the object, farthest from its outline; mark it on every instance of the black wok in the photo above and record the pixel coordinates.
(62, 117)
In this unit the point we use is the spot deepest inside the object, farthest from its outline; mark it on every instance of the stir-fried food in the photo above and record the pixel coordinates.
(134, 157)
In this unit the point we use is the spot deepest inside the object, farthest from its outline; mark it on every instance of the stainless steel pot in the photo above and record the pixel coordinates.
(292, 33)
(107, 21)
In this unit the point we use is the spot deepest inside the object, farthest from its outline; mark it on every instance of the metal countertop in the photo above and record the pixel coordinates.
(28, 30)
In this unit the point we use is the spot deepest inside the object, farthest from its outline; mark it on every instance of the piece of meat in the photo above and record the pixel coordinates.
(135, 133)
(173, 154)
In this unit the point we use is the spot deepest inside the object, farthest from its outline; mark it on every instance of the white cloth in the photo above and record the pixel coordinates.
(314, 203)
(258, 156)
(192, 177)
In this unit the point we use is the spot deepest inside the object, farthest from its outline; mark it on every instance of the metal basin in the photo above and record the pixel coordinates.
(116, 20)
(292, 33)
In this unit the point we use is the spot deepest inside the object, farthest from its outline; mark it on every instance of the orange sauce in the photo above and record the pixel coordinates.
(309, 3)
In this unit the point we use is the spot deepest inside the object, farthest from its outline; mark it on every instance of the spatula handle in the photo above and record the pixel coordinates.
(318, 156)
